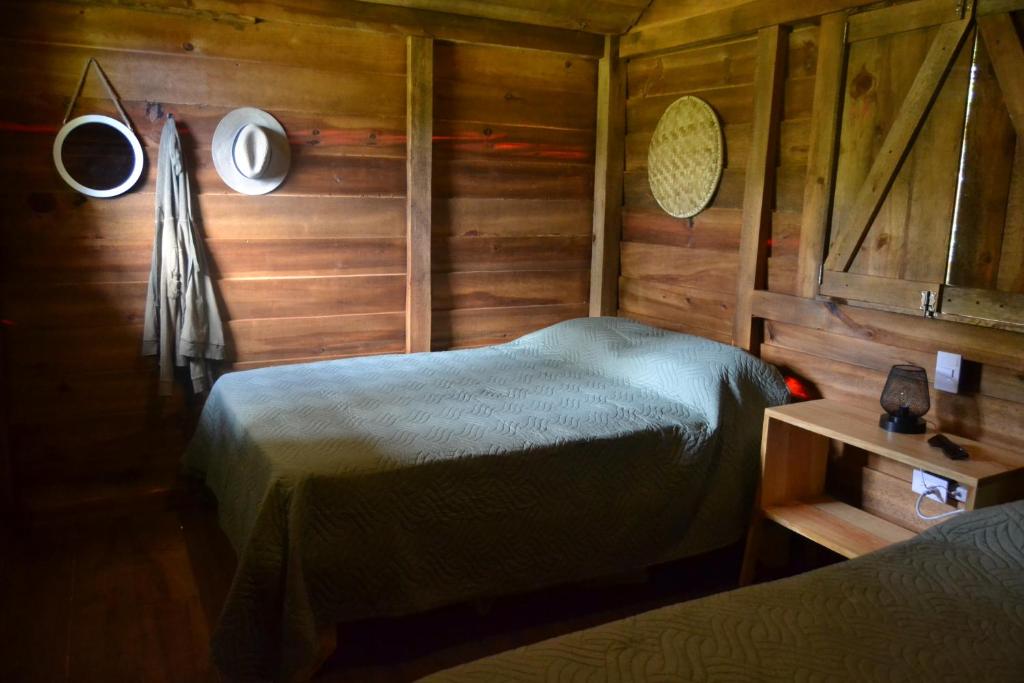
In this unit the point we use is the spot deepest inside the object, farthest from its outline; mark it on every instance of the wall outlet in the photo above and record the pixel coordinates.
(959, 493)
(947, 372)
(922, 481)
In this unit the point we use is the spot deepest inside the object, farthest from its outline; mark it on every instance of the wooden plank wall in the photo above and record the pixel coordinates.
(315, 270)
(681, 274)
(513, 191)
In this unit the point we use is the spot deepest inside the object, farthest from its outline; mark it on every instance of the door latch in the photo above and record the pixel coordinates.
(929, 303)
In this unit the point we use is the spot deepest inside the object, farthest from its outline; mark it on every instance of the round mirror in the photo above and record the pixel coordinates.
(98, 156)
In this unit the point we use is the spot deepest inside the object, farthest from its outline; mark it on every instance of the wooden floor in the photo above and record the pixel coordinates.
(135, 599)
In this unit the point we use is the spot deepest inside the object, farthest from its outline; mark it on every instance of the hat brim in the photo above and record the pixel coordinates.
(223, 145)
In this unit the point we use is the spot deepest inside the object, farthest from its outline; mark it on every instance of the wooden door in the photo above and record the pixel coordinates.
(900, 138)
(928, 208)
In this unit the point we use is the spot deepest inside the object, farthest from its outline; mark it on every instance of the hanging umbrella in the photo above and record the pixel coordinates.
(183, 326)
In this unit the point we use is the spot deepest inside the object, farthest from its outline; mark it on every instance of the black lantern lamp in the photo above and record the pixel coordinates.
(905, 400)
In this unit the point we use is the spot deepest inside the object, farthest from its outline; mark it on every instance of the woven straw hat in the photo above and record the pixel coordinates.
(250, 151)
(684, 160)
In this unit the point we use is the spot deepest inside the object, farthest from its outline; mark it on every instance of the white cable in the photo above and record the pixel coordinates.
(941, 515)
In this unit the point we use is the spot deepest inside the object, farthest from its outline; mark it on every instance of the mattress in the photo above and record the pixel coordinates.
(947, 605)
(388, 485)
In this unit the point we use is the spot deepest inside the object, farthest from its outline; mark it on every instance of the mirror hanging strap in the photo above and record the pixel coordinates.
(106, 84)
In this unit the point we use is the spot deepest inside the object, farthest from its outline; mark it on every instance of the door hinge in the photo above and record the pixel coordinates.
(929, 302)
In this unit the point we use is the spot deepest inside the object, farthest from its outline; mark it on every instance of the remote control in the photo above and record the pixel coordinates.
(953, 451)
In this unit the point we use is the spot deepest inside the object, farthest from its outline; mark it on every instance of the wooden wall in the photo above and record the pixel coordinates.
(681, 274)
(513, 191)
(315, 270)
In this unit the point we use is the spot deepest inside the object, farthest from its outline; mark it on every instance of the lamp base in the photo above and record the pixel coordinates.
(902, 424)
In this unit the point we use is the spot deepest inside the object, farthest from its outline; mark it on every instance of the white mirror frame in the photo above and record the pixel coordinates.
(74, 123)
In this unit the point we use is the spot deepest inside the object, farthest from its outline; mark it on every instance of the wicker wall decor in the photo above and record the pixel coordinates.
(684, 160)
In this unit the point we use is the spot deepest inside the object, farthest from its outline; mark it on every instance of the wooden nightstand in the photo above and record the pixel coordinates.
(794, 459)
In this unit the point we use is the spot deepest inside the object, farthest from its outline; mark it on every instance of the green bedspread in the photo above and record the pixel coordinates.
(947, 605)
(389, 485)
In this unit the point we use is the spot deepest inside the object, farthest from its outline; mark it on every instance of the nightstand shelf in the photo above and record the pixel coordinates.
(841, 528)
(794, 459)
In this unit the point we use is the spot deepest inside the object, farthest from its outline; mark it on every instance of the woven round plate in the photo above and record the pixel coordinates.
(684, 161)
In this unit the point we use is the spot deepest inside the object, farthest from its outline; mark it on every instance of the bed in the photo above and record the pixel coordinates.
(947, 605)
(388, 485)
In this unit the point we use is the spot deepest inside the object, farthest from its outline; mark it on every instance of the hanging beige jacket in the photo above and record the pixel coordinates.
(183, 326)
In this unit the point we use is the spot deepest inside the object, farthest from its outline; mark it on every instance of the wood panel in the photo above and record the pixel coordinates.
(985, 379)
(720, 22)
(100, 25)
(673, 268)
(542, 252)
(702, 269)
(505, 288)
(677, 325)
(472, 327)
(316, 270)
(513, 203)
(510, 217)
(311, 174)
(1011, 262)
(701, 254)
(317, 15)
(274, 339)
(600, 16)
(976, 417)
(700, 308)
(983, 345)
(907, 16)
(983, 197)
(39, 69)
(248, 298)
(1003, 42)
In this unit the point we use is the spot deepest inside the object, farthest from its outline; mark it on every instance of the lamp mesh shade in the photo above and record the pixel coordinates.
(906, 387)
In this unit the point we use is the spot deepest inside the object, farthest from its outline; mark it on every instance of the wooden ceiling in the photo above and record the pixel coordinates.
(593, 16)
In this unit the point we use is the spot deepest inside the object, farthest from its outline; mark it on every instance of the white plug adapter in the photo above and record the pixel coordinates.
(923, 481)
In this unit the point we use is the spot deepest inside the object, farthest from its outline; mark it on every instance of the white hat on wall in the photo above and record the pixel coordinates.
(250, 151)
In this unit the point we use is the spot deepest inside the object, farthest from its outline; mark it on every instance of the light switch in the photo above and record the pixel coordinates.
(947, 372)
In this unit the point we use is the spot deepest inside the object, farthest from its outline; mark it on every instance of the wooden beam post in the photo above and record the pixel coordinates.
(821, 158)
(609, 163)
(419, 118)
(759, 191)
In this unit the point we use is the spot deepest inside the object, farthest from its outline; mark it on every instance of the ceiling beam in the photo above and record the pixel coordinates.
(365, 16)
(595, 16)
(727, 22)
